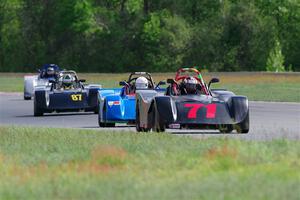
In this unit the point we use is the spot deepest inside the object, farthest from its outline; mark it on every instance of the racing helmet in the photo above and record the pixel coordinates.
(190, 84)
(50, 71)
(67, 80)
(141, 83)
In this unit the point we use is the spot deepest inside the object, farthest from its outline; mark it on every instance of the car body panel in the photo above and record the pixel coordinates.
(33, 81)
(211, 109)
(47, 99)
(117, 105)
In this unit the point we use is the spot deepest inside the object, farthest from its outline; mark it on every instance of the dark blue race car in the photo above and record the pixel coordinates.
(64, 94)
(46, 72)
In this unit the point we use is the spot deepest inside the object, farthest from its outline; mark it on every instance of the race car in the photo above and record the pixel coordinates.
(190, 103)
(117, 105)
(66, 94)
(46, 73)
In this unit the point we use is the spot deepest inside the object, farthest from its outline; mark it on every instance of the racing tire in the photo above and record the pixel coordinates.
(243, 127)
(27, 98)
(158, 126)
(225, 128)
(36, 110)
(137, 119)
(96, 111)
(103, 124)
(137, 122)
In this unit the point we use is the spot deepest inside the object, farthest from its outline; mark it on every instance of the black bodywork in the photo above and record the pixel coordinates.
(217, 109)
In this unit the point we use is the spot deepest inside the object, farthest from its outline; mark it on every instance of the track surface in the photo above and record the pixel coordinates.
(268, 120)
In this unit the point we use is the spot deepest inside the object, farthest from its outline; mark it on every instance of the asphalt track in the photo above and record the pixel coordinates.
(268, 120)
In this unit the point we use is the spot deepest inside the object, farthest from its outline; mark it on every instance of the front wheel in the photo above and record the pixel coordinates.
(103, 124)
(158, 125)
(36, 110)
(137, 119)
(243, 127)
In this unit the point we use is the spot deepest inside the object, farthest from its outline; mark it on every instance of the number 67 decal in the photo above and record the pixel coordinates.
(210, 110)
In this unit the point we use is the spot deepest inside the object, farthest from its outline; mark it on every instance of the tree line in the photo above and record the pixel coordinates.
(152, 35)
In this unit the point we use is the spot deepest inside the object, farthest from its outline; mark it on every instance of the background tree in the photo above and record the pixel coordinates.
(156, 35)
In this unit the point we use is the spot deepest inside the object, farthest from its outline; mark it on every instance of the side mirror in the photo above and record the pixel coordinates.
(122, 83)
(161, 83)
(82, 80)
(170, 81)
(213, 80)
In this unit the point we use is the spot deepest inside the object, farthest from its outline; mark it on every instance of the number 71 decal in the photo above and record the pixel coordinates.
(210, 110)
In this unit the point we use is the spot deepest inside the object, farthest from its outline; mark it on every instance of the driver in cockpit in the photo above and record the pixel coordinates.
(190, 85)
(141, 83)
(67, 82)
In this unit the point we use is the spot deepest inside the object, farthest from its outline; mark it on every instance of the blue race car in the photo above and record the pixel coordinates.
(118, 105)
(46, 73)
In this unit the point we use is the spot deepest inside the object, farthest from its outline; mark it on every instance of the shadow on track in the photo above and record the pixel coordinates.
(56, 115)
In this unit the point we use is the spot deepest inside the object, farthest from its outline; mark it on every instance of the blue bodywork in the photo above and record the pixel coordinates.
(115, 106)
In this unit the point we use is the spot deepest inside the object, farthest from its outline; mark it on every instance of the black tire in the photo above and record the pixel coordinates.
(27, 98)
(104, 124)
(96, 111)
(225, 128)
(110, 124)
(137, 119)
(101, 124)
(137, 122)
(158, 126)
(243, 127)
(36, 110)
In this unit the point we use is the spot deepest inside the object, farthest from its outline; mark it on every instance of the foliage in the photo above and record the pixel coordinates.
(276, 59)
(158, 35)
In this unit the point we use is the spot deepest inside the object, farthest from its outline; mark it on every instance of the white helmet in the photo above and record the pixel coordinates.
(68, 80)
(141, 83)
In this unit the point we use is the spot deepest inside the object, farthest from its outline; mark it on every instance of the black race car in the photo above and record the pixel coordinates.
(204, 109)
(66, 93)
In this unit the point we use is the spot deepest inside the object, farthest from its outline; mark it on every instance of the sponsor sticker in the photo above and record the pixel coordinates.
(113, 103)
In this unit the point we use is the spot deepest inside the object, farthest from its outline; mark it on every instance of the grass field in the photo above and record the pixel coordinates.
(257, 86)
(38, 163)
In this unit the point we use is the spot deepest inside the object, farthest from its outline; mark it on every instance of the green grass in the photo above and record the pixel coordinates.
(43, 163)
(11, 84)
(278, 92)
(284, 87)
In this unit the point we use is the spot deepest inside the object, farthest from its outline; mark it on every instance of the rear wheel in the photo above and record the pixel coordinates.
(96, 111)
(243, 127)
(36, 110)
(27, 98)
